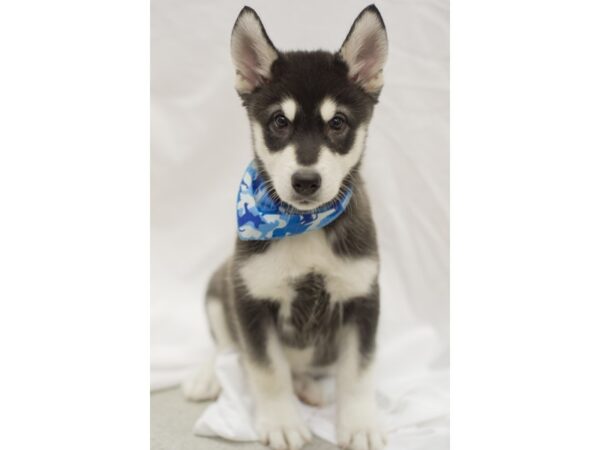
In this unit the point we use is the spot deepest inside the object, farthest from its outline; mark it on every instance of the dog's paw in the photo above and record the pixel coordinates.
(202, 385)
(365, 439)
(356, 431)
(283, 431)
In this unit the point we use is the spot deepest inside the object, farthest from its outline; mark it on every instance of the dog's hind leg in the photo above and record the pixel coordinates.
(203, 384)
(311, 390)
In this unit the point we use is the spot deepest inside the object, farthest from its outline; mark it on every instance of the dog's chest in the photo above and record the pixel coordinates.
(278, 273)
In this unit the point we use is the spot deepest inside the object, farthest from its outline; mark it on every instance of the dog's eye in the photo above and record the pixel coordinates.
(338, 122)
(280, 121)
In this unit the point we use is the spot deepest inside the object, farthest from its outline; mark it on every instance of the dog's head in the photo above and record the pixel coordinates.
(309, 111)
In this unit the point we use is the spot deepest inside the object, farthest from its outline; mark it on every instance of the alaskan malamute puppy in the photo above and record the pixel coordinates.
(299, 298)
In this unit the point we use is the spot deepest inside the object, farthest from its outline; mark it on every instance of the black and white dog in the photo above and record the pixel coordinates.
(305, 306)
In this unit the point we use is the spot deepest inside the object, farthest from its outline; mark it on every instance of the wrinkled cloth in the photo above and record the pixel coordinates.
(260, 217)
(417, 413)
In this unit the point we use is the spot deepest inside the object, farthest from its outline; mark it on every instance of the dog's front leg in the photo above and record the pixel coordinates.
(278, 422)
(357, 424)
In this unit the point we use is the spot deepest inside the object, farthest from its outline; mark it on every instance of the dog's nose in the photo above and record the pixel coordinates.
(306, 183)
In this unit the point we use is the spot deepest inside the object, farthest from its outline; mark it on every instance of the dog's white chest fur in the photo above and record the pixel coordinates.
(272, 275)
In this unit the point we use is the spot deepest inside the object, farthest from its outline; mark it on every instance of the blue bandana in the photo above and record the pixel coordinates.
(261, 218)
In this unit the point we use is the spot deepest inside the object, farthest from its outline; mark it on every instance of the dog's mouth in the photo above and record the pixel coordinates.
(303, 204)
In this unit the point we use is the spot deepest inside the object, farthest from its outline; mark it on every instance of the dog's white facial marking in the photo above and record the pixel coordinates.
(289, 108)
(272, 274)
(333, 167)
(280, 165)
(327, 109)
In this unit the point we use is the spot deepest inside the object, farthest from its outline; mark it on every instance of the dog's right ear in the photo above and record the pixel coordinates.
(252, 51)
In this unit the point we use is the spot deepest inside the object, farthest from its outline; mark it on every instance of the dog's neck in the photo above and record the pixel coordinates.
(353, 233)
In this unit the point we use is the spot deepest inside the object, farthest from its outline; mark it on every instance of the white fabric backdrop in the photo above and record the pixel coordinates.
(201, 145)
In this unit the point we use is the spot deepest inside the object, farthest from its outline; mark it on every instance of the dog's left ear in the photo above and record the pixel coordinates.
(365, 50)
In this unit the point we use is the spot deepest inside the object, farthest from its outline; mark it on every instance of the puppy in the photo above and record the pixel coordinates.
(299, 298)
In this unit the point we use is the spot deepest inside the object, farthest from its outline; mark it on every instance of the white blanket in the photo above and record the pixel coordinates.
(201, 145)
(414, 416)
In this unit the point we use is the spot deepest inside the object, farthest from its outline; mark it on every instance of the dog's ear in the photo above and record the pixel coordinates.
(252, 51)
(365, 50)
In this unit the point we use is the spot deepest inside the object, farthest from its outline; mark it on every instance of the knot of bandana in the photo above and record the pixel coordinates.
(261, 218)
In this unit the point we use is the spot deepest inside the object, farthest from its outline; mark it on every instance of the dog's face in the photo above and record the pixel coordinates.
(309, 111)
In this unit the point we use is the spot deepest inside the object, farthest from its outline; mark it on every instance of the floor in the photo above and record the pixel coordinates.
(172, 419)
